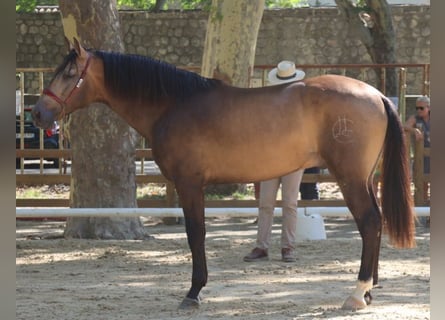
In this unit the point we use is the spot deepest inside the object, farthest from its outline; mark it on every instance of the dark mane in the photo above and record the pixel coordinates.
(138, 77)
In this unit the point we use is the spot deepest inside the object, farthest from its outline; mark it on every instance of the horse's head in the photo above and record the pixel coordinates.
(70, 89)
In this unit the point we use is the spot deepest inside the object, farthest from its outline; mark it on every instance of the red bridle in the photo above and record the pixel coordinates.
(79, 82)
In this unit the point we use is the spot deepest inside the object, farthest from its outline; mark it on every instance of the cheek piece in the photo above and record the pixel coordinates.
(79, 82)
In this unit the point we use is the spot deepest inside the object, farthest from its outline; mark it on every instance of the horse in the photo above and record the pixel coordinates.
(204, 131)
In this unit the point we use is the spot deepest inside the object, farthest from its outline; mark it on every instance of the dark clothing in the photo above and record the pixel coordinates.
(424, 126)
(309, 190)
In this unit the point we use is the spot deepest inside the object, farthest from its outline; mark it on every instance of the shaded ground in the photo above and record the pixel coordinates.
(86, 279)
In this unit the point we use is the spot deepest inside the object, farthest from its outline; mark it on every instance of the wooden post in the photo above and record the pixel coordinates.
(22, 119)
(383, 80)
(402, 92)
(172, 199)
(419, 196)
(426, 80)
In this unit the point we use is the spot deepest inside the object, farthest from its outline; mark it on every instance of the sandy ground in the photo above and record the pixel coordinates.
(91, 279)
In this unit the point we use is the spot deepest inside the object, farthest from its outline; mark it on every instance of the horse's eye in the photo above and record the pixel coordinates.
(70, 71)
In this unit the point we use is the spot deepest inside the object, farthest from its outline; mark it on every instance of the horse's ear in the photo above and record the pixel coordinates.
(78, 48)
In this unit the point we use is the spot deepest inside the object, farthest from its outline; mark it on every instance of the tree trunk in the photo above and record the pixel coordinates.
(159, 5)
(103, 145)
(229, 50)
(372, 24)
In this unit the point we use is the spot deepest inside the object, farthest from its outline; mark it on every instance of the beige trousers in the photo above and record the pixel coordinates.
(290, 185)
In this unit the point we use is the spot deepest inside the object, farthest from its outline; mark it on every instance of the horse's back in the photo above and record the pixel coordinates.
(235, 134)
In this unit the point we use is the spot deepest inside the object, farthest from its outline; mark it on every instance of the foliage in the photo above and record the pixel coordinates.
(136, 4)
(193, 4)
(30, 5)
(273, 4)
(25, 5)
(360, 5)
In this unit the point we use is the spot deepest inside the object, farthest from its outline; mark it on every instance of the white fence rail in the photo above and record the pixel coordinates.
(177, 212)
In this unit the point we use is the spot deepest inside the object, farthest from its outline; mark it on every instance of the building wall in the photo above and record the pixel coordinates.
(306, 35)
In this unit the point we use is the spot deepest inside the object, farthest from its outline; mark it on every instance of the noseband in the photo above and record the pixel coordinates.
(79, 82)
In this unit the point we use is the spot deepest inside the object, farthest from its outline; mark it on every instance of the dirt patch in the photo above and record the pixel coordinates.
(94, 279)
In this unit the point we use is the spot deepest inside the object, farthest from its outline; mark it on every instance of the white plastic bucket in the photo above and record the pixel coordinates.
(310, 227)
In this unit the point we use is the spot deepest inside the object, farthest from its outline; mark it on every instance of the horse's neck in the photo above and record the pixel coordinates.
(140, 116)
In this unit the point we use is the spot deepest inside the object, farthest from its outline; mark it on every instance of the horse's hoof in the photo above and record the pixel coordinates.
(354, 304)
(189, 303)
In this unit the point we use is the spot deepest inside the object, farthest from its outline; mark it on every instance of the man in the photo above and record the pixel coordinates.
(419, 126)
(290, 183)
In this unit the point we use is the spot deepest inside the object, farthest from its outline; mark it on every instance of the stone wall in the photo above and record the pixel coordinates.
(306, 35)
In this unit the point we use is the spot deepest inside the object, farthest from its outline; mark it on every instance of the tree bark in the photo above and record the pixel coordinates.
(159, 5)
(103, 145)
(229, 49)
(373, 25)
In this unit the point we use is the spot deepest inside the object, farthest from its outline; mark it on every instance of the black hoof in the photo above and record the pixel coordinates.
(189, 303)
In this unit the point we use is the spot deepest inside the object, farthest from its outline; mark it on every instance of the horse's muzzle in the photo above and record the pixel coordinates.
(41, 116)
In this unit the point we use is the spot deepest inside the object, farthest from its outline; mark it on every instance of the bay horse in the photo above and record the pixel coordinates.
(204, 131)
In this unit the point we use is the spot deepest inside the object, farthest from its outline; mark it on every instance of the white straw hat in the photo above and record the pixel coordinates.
(285, 72)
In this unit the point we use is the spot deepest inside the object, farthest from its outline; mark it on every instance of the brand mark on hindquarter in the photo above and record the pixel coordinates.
(342, 130)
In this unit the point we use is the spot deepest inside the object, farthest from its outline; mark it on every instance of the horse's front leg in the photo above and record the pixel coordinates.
(192, 201)
(196, 236)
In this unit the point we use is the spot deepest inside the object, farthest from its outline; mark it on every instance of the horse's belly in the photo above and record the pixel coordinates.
(248, 168)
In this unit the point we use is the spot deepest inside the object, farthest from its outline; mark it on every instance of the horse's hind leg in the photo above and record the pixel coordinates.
(361, 201)
(192, 201)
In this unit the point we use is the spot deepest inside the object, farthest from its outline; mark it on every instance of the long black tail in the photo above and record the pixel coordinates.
(397, 200)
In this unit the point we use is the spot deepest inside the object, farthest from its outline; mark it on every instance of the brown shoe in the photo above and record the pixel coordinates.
(257, 254)
(287, 255)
